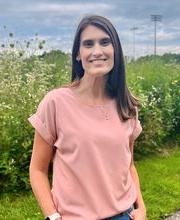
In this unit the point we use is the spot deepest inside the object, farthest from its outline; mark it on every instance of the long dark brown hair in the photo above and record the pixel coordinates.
(115, 86)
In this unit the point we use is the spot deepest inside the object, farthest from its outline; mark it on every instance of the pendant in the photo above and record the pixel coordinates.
(104, 112)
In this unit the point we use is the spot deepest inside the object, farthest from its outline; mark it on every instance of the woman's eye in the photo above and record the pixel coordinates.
(88, 43)
(105, 42)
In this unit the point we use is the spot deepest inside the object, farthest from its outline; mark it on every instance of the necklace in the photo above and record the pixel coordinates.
(105, 112)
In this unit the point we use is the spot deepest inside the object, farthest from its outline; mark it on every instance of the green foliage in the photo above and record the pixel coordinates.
(23, 83)
(165, 58)
(158, 87)
(62, 67)
(25, 80)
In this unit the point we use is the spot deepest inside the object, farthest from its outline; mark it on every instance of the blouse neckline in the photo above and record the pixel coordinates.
(109, 103)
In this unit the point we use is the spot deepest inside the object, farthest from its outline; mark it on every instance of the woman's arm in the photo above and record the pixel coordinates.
(41, 156)
(139, 202)
(140, 206)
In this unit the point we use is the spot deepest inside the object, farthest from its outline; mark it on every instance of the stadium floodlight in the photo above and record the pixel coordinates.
(155, 19)
(134, 42)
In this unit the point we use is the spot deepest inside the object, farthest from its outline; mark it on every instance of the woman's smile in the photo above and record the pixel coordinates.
(96, 51)
(96, 60)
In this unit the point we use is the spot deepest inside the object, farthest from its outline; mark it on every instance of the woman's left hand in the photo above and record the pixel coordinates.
(138, 214)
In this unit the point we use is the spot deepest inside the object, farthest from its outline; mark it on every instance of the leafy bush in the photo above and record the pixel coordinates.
(23, 84)
(157, 86)
(24, 81)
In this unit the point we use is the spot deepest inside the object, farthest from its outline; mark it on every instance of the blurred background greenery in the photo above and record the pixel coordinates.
(25, 79)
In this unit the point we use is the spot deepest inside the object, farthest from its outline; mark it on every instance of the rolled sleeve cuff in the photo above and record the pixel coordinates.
(137, 131)
(41, 129)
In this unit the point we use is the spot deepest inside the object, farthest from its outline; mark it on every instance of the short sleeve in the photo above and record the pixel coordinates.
(44, 120)
(137, 128)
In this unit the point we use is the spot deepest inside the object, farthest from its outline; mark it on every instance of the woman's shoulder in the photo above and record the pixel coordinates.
(57, 92)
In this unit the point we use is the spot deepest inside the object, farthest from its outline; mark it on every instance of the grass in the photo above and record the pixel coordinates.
(19, 207)
(160, 184)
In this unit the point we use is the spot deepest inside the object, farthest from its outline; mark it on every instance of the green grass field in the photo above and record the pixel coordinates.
(160, 184)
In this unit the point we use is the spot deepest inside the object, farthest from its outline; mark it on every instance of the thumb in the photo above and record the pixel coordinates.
(131, 214)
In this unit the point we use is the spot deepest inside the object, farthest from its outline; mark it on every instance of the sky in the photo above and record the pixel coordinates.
(55, 21)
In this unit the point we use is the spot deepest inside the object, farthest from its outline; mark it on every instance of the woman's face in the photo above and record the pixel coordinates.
(96, 51)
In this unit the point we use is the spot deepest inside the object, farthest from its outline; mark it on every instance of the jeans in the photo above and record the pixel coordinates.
(121, 216)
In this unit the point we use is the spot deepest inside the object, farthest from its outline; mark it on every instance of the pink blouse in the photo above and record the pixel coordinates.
(91, 176)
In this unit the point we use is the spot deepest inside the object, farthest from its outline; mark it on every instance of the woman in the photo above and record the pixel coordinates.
(91, 125)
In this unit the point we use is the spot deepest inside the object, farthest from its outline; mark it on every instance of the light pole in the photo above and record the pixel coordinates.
(134, 42)
(155, 19)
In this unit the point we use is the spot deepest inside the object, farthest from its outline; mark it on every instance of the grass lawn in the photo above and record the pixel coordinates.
(160, 184)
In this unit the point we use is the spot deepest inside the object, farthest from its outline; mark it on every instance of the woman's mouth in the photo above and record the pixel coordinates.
(97, 60)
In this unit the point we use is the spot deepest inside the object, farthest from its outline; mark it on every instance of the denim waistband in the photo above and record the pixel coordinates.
(127, 211)
(122, 213)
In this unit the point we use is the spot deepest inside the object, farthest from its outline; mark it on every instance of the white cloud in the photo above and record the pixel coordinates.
(64, 9)
(168, 36)
(56, 21)
(147, 49)
(168, 49)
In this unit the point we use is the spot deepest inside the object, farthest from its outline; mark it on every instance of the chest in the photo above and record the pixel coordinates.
(94, 130)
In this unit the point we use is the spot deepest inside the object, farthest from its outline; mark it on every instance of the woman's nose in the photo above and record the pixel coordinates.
(97, 50)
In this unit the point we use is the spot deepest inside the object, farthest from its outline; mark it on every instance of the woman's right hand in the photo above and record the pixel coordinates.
(138, 214)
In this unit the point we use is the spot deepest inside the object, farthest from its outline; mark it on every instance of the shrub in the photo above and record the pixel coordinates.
(24, 81)
(23, 84)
